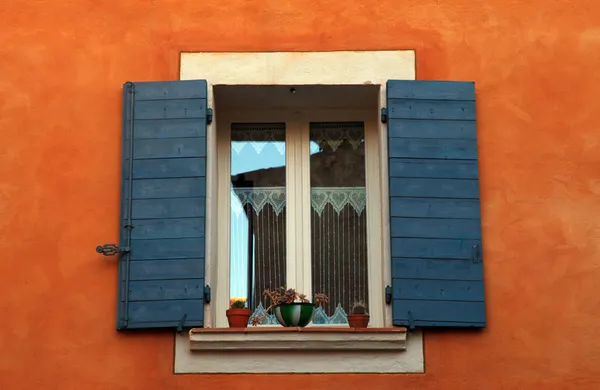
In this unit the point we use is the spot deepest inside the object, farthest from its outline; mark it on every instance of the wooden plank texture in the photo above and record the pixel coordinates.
(166, 269)
(428, 89)
(178, 248)
(465, 149)
(438, 290)
(435, 218)
(434, 208)
(168, 128)
(165, 313)
(167, 228)
(167, 148)
(167, 168)
(439, 313)
(161, 278)
(168, 208)
(434, 188)
(431, 109)
(418, 268)
(158, 90)
(424, 128)
(433, 248)
(170, 109)
(436, 228)
(190, 187)
(155, 290)
(435, 169)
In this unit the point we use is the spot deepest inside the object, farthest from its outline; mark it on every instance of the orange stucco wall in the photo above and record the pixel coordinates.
(536, 67)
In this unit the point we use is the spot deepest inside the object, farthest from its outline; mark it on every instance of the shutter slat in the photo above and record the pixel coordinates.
(161, 278)
(168, 168)
(440, 290)
(436, 228)
(418, 268)
(168, 148)
(434, 169)
(178, 248)
(157, 290)
(431, 109)
(434, 208)
(433, 148)
(156, 269)
(425, 89)
(168, 208)
(423, 128)
(434, 188)
(435, 225)
(167, 228)
(189, 187)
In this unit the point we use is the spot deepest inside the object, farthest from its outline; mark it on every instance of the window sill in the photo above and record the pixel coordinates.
(277, 350)
(298, 339)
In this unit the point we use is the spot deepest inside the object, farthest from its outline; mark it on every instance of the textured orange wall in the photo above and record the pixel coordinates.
(536, 64)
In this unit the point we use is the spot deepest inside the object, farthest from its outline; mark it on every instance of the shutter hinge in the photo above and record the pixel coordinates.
(181, 323)
(411, 320)
(388, 294)
(384, 115)
(111, 249)
(209, 116)
(476, 254)
(207, 293)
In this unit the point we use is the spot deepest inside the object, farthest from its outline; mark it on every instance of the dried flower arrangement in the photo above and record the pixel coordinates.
(283, 296)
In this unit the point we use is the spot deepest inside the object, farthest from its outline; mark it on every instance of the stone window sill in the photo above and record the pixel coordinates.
(297, 339)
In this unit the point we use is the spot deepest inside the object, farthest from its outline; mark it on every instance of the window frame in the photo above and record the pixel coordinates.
(299, 244)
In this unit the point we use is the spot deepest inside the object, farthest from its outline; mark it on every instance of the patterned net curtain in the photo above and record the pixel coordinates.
(338, 215)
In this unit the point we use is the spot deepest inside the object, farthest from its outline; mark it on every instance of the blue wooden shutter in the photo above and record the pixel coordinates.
(437, 265)
(161, 277)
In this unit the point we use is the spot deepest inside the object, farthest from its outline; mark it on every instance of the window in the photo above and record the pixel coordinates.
(295, 180)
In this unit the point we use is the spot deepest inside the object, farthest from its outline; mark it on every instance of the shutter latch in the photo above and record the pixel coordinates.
(207, 293)
(411, 320)
(181, 323)
(111, 249)
(384, 115)
(388, 294)
(209, 116)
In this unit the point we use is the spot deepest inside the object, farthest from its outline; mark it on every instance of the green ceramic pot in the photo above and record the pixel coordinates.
(294, 314)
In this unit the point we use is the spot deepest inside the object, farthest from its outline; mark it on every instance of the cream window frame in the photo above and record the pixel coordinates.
(298, 243)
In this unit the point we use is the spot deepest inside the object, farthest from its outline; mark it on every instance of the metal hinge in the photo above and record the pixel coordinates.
(388, 294)
(207, 293)
(209, 116)
(111, 249)
(384, 115)
(476, 254)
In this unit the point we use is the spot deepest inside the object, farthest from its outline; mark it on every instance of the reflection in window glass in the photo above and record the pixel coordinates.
(257, 258)
(338, 217)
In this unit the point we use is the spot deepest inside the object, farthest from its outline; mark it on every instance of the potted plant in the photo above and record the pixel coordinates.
(290, 307)
(238, 315)
(358, 318)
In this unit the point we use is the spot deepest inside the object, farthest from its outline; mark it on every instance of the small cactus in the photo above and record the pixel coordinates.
(237, 303)
(359, 307)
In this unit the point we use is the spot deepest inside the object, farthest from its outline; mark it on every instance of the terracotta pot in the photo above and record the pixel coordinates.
(238, 318)
(358, 320)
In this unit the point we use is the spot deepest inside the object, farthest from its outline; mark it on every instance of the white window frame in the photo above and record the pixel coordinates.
(298, 242)
(295, 68)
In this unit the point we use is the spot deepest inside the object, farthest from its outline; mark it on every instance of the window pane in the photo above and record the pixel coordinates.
(258, 210)
(338, 217)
